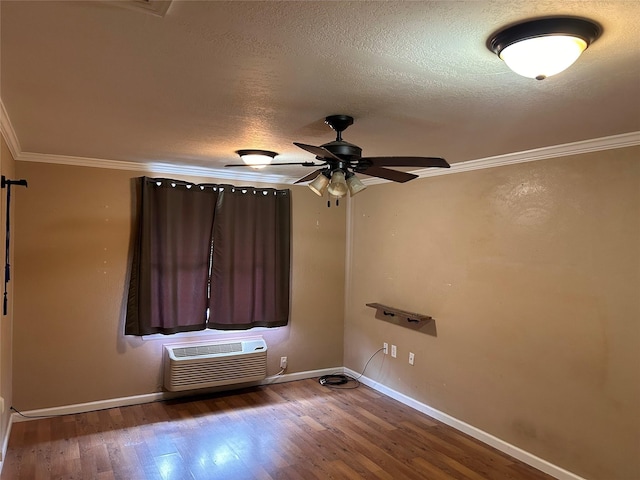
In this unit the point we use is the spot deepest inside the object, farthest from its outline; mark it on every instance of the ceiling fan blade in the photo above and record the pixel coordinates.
(304, 164)
(311, 176)
(388, 174)
(406, 162)
(317, 151)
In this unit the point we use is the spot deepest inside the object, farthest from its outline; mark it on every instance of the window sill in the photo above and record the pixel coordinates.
(204, 334)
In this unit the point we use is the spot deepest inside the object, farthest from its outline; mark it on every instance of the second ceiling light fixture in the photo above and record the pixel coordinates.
(544, 47)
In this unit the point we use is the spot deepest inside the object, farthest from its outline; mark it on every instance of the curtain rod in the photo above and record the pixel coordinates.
(7, 269)
(219, 186)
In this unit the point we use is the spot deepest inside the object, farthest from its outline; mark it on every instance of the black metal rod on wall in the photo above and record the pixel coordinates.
(7, 269)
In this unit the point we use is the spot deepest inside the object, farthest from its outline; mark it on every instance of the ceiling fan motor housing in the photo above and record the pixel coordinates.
(345, 150)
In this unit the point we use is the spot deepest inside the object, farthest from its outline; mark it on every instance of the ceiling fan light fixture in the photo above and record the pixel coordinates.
(319, 184)
(338, 185)
(256, 158)
(355, 185)
(544, 47)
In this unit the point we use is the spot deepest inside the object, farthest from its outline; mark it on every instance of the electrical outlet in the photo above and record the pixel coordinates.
(385, 348)
(283, 362)
(394, 351)
(411, 358)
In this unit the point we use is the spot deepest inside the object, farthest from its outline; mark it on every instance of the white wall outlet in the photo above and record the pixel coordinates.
(394, 351)
(283, 362)
(1, 405)
(411, 358)
(385, 348)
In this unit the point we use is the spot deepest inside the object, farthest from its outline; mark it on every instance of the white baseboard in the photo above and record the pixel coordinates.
(88, 407)
(505, 447)
(291, 377)
(153, 397)
(447, 419)
(5, 443)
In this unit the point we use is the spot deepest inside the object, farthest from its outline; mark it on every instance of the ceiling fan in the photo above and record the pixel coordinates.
(341, 160)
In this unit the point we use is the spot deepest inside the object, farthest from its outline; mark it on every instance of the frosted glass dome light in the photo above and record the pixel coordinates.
(542, 48)
(256, 158)
(542, 57)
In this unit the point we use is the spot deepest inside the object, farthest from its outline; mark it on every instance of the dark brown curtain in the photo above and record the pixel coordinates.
(251, 260)
(168, 290)
(208, 256)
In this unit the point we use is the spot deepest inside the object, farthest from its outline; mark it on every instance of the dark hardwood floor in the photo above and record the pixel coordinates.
(296, 430)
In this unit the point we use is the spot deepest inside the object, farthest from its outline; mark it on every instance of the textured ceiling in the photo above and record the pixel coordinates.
(92, 79)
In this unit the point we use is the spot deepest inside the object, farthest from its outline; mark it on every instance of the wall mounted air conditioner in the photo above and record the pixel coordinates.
(189, 366)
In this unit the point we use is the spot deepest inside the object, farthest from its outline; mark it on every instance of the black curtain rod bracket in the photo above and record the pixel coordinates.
(7, 182)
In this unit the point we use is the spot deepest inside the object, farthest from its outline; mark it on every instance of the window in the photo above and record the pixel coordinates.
(209, 256)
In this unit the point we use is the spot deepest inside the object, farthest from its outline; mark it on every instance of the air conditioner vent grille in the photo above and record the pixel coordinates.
(205, 350)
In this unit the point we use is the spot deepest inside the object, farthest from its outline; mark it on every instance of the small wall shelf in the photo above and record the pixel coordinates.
(409, 317)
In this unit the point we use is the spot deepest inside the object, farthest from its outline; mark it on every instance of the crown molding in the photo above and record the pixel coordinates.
(154, 167)
(227, 174)
(9, 134)
(575, 148)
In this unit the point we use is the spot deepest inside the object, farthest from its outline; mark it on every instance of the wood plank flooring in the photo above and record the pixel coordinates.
(295, 430)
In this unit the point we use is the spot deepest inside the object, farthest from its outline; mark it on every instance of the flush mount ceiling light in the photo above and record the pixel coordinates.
(256, 158)
(544, 47)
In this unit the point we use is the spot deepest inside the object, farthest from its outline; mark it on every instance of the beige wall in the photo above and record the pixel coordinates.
(532, 273)
(7, 168)
(72, 244)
